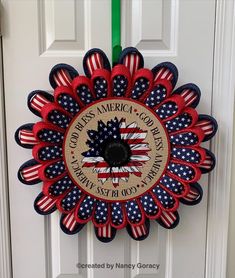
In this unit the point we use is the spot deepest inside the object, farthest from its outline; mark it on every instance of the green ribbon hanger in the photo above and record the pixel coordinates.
(116, 30)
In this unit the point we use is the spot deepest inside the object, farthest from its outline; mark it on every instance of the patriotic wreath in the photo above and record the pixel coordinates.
(117, 147)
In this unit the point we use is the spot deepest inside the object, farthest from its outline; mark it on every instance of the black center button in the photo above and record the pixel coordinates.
(117, 153)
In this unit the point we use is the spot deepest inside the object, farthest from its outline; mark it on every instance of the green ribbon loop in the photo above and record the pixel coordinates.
(116, 30)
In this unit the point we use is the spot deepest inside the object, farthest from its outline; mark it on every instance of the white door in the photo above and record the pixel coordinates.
(39, 34)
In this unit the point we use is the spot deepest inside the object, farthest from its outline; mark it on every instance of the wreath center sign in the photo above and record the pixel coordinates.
(116, 149)
(117, 146)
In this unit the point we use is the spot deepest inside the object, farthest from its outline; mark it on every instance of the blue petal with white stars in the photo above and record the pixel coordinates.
(100, 87)
(86, 208)
(101, 212)
(133, 211)
(85, 94)
(68, 103)
(120, 85)
(140, 87)
(71, 199)
(157, 95)
(117, 216)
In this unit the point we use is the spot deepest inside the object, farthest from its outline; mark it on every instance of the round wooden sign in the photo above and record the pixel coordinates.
(116, 149)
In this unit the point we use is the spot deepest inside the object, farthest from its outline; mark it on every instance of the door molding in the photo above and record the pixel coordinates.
(223, 111)
(220, 180)
(5, 246)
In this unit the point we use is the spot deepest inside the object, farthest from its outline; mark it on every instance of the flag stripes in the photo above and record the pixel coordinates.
(206, 126)
(69, 221)
(38, 101)
(62, 78)
(27, 137)
(192, 195)
(45, 203)
(164, 73)
(116, 174)
(207, 163)
(105, 231)
(132, 62)
(139, 231)
(168, 218)
(94, 62)
(30, 173)
(132, 135)
(189, 96)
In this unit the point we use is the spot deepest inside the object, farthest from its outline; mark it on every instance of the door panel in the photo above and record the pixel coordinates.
(39, 34)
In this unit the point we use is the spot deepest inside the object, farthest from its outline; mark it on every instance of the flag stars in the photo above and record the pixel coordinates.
(141, 86)
(188, 155)
(68, 103)
(100, 87)
(133, 211)
(120, 84)
(116, 212)
(71, 199)
(157, 95)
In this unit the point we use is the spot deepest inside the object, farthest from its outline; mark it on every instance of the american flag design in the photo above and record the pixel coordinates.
(105, 232)
(171, 184)
(157, 95)
(164, 198)
(62, 75)
(68, 102)
(190, 155)
(178, 123)
(175, 110)
(168, 219)
(132, 62)
(59, 187)
(117, 130)
(37, 100)
(29, 172)
(182, 171)
(186, 138)
(120, 85)
(132, 59)
(150, 207)
(45, 132)
(101, 87)
(165, 71)
(140, 86)
(208, 125)
(93, 62)
(194, 195)
(139, 231)
(167, 110)
(95, 59)
(62, 78)
(58, 117)
(84, 93)
(69, 222)
(117, 214)
(208, 163)
(25, 137)
(71, 199)
(44, 204)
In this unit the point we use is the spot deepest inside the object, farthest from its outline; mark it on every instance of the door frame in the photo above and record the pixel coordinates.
(5, 238)
(222, 145)
(219, 180)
